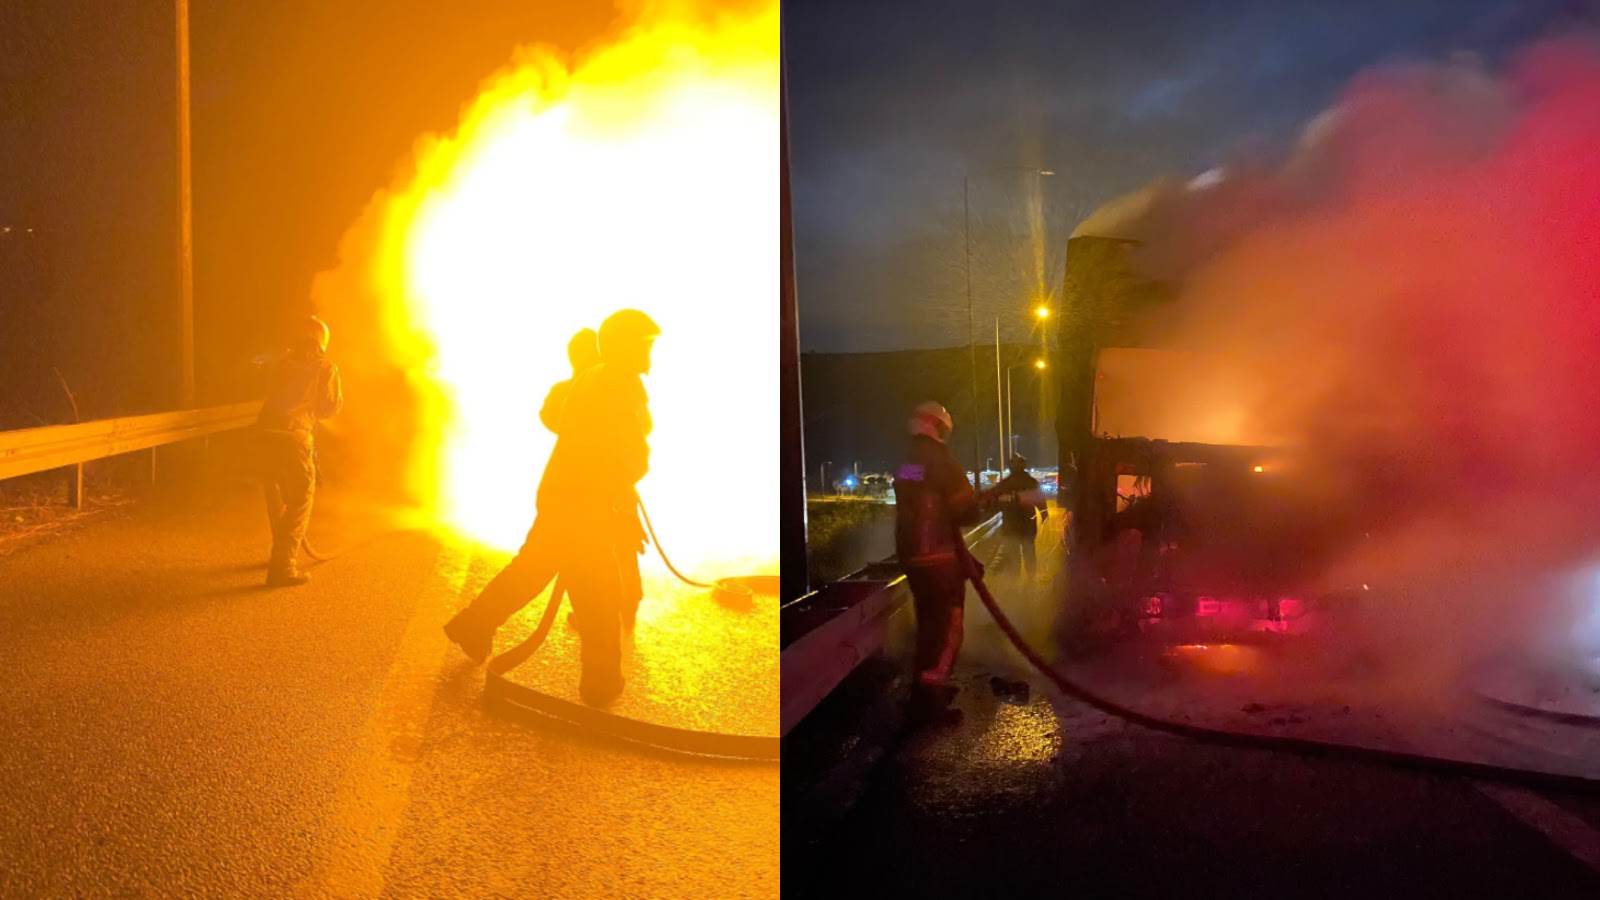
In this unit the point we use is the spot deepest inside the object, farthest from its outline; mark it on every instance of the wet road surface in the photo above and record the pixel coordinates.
(1044, 796)
(173, 729)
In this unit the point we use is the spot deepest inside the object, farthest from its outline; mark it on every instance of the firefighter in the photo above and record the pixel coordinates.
(583, 352)
(304, 387)
(587, 510)
(933, 499)
(1020, 498)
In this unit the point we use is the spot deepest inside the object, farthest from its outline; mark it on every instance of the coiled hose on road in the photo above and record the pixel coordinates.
(501, 691)
(1300, 746)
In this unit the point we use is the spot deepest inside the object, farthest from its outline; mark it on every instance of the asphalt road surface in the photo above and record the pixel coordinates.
(173, 729)
(1045, 797)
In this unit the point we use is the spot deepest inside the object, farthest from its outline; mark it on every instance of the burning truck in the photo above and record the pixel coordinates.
(1186, 516)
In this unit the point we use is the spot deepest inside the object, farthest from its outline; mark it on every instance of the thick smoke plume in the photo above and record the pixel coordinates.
(1414, 298)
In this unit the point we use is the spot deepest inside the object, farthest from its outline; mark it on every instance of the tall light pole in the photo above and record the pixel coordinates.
(999, 412)
(972, 345)
(1011, 422)
(794, 578)
(185, 219)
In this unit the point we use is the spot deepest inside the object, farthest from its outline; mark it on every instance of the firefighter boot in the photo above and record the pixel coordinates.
(930, 705)
(475, 642)
(599, 690)
(282, 571)
(286, 577)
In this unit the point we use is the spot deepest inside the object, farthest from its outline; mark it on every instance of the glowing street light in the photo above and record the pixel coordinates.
(1038, 364)
(1042, 312)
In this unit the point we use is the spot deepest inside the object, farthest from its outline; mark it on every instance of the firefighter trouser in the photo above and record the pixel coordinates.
(288, 480)
(632, 585)
(1021, 545)
(597, 582)
(594, 577)
(939, 594)
(523, 579)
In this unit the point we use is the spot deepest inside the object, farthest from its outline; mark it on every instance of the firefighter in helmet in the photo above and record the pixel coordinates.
(1020, 500)
(933, 499)
(583, 352)
(304, 387)
(587, 517)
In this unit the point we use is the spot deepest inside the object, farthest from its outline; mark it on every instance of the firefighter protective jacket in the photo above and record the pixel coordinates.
(1019, 497)
(602, 447)
(933, 499)
(303, 388)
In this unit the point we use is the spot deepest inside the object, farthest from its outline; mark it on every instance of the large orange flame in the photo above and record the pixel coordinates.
(644, 175)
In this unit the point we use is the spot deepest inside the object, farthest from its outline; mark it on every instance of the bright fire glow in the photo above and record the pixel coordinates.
(643, 175)
(1218, 659)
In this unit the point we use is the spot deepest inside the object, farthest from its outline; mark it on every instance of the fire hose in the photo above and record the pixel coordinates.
(502, 691)
(276, 510)
(1417, 762)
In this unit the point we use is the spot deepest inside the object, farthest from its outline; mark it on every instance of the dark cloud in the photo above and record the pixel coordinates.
(891, 102)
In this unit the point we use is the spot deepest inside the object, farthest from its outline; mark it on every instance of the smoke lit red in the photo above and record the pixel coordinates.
(1414, 296)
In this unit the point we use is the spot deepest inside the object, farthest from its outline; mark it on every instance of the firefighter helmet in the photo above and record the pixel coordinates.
(932, 420)
(583, 350)
(316, 330)
(625, 340)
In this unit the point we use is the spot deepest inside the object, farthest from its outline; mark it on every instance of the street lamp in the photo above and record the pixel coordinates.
(1042, 311)
(1011, 423)
(972, 345)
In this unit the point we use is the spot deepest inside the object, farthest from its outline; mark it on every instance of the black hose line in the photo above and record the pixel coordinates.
(498, 689)
(1300, 746)
(519, 654)
(663, 554)
(505, 693)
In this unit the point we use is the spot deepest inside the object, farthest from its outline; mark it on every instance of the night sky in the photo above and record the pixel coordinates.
(302, 110)
(892, 101)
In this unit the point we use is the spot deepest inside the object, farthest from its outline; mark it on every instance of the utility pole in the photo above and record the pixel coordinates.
(1011, 424)
(999, 401)
(972, 344)
(794, 577)
(185, 219)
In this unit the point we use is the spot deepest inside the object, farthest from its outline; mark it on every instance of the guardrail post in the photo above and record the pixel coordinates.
(152, 466)
(75, 486)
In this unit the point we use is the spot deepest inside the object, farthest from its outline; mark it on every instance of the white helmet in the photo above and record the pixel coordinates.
(931, 420)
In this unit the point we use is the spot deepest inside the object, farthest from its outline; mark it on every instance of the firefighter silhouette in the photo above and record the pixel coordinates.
(304, 387)
(587, 526)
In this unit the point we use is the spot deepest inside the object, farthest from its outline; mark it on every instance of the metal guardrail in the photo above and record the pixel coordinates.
(818, 662)
(29, 450)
